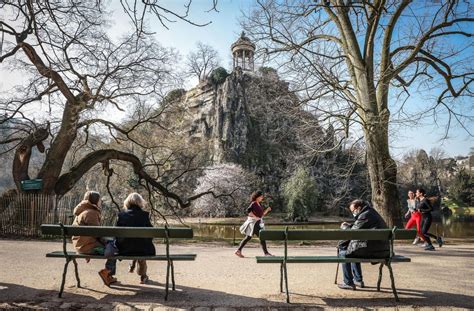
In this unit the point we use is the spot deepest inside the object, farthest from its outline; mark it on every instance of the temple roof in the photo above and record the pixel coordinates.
(243, 43)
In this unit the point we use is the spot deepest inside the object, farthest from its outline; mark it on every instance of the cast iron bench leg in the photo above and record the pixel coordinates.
(64, 278)
(281, 278)
(380, 277)
(286, 285)
(393, 282)
(172, 275)
(167, 280)
(77, 272)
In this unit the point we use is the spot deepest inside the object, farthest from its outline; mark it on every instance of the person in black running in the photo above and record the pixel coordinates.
(424, 206)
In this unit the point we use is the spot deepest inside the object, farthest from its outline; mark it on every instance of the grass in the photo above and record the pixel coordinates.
(458, 208)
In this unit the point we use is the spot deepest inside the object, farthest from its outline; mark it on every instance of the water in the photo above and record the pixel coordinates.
(449, 228)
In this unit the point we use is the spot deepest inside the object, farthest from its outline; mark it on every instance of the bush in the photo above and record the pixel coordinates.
(228, 179)
(218, 76)
(300, 194)
(462, 188)
(174, 95)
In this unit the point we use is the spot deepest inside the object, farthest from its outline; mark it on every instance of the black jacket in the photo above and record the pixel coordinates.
(368, 218)
(424, 206)
(134, 216)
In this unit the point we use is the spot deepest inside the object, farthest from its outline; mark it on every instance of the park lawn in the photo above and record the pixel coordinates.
(457, 208)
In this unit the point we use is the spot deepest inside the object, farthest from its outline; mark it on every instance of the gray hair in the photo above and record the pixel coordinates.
(134, 199)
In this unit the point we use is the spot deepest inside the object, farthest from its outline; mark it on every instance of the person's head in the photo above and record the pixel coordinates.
(411, 195)
(356, 206)
(420, 192)
(257, 196)
(134, 199)
(92, 197)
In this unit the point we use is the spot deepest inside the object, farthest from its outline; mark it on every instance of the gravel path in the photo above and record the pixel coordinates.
(218, 279)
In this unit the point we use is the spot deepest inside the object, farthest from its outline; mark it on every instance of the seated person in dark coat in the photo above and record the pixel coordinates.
(365, 218)
(134, 216)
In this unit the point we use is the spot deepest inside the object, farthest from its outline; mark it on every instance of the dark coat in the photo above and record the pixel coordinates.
(367, 218)
(134, 216)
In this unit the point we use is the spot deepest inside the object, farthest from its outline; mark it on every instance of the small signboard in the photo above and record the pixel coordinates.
(31, 184)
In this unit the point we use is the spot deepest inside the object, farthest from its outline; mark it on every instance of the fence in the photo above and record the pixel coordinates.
(23, 214)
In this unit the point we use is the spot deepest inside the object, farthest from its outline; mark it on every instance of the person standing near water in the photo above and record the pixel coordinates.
(254, 223)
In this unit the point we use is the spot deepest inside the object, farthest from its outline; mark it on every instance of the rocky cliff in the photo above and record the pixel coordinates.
(251, 119)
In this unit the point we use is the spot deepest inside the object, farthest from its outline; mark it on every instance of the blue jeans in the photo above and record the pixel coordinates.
(352, 271)
(111, 264)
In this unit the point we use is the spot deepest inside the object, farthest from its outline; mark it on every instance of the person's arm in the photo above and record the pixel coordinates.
(148, 222)
(267, 210)
(360, 222)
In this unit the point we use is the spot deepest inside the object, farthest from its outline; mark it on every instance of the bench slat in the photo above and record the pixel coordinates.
(177, 257)
(337, 234)
(129, 232)
(324, 259)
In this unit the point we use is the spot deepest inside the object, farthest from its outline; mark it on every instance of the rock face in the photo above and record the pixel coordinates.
(250, 119)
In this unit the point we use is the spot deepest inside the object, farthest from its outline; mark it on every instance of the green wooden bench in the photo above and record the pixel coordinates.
(334, 234)
(125, 232)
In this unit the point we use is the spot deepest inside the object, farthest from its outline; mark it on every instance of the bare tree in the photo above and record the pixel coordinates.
(201, 61)
(73, 70)
(356, 62)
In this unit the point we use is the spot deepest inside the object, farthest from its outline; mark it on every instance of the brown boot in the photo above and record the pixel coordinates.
(106, 277)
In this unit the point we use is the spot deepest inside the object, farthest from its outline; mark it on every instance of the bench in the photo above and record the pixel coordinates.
(125, 232)
(334, 234)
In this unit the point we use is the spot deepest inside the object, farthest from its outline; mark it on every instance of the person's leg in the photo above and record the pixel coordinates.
(243, 242)
(411, 222)
(346, 273)
(263, 243)
(357, 272)
(111, 265)
(425, 228)
(417, 219)
(142, 267)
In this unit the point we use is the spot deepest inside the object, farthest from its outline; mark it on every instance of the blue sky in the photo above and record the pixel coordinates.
(225, 29)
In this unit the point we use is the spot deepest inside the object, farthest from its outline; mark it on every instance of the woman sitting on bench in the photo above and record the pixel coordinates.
(132, 216)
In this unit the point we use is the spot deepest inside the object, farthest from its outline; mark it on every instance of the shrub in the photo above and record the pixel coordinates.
(218, 76)
(174, 95)
(300, 194)
(229, 179)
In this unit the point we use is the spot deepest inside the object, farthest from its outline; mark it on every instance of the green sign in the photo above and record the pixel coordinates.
(32, 184)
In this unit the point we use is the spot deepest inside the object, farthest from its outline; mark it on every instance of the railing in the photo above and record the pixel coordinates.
(23, 214)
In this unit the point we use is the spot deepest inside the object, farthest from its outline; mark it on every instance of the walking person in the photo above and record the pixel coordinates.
(133, 215)
(414, 217)
(365, 218)
(424, 206)
(254, 223)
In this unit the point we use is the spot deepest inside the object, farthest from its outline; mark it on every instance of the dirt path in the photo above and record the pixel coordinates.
(219, 279)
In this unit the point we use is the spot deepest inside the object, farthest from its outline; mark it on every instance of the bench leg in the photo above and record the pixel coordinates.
(167, 280)
(281, 278)
(380, 277)
(172, 275)
(392, 279)
(77, 273)
(64, 278)
(286, 285)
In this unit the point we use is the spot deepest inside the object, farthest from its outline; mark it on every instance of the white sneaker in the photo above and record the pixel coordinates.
(416, 240)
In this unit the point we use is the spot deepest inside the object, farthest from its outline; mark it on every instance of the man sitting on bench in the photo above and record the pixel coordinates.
(365, 218)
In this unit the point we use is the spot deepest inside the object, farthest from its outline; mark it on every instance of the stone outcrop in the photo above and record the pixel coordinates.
(251, 119)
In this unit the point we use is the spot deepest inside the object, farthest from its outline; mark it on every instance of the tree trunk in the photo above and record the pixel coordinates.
(382, 171)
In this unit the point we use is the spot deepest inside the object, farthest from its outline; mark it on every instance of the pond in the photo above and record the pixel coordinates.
(447, 227)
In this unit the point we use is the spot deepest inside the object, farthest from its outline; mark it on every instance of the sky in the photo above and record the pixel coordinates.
(225, 29)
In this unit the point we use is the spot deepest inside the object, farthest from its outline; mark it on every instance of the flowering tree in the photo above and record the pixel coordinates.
(232, 185)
